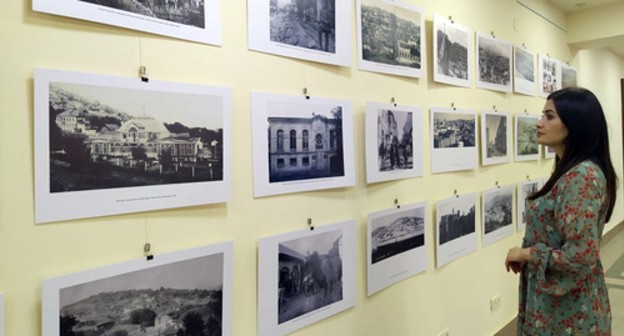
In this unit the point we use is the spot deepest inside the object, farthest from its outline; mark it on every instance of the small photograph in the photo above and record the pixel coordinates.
(550, 75)
(495, 137)
(497, 214)
(568, 76)
(549, 153)
(180, 293)
(524, 71)
(391, 37)
(452, 52)
(453, 139)
(525, 189)
(455, 223)
(493, 63)
(396, 245)
(527, 148)
(305, 276)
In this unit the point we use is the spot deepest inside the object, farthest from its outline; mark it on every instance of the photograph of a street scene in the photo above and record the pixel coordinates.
(309, 24)
(397, 233)
(394, 140)
(453, 130)
(186, 12)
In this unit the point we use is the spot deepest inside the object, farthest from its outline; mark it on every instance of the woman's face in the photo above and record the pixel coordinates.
(551, 131)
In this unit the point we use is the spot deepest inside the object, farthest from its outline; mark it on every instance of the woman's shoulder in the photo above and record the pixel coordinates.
(585, 171)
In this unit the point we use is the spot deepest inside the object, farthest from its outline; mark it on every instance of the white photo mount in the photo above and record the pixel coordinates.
(452, 52)
(496, 76)
(495, 137)
(453, 139)
(497, 214)
(525, 138)
(524, 71)
(455, 228)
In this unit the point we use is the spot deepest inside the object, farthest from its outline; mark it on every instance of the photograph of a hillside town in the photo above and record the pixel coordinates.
(310, 274)
(494, 62)
(394, 140)
(108, 137)
(309, 24)
(186, 12)
(453, 130)
(391, 34)
(524, 65)
(397, 233)
(452, 55)
(498, 209)
(496, 135)
(526, 134)
(184, 298)
(457, 222)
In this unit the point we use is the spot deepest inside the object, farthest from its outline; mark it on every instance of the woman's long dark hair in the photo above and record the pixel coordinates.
(588, 139)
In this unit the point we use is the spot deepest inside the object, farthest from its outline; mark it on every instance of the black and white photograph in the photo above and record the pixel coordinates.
(550, 75)
(524, 71)
(194, 20)
(112, 145)
(568, 76)
(452, 52)
(394, 142)
(527, 148)
(549, 152)
(301, 144)
(495, 137)
(390, 36)
(497, 214)
(455, 226)
(305, 276)
(453, 139)
(525, 189)
(493, 63)
(316, 30)
(397, 245)
(179, 293)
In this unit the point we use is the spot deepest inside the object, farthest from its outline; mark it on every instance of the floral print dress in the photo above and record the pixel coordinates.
(562, 288)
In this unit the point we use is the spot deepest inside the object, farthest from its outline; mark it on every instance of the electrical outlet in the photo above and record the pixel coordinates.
(495, 302)
(445, 332)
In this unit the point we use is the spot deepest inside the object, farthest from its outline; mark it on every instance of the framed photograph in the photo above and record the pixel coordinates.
(524, 71)
(108, 145)
(568, 76)
(188, 292)
(527, 148)
(301, 144)
(497, 214)
(394, 142)
(318, 31)
(549, 153)
(550, 75)
(396, 245)
(305, 277)
(455, 223)
(452, 52)
(495, 137)
(525, 189)
(453, 139)
(194, 20)
(390, 37)
(493, 63)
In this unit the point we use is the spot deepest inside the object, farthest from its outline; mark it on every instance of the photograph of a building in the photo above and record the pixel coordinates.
(309, 24)
(186, 12)
(457, 222)
(495, 135)
(493, 64)
(397, 233)
(394, 140)
(451, 52)
(526, 136)
(453, 130)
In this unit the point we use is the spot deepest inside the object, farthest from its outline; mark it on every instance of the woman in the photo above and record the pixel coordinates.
(562, 286)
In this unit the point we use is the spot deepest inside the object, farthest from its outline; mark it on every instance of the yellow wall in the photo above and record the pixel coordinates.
(455, 296)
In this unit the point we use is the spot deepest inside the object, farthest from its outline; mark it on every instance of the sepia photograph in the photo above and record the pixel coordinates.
(493, 63)
(390, 36)
(524, 71)
(550, 75)
(119, 136)
(568, 76)
(497, 214)
(305, 276)
(455, 224)
(453, 139)
(527, 148)
(452, 52)
(495, 137)
(525, 189)
(179, 293)
(195, 20)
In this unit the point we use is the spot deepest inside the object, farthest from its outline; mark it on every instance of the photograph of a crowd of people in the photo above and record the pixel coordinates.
(452, 52)
(493, 63)
(526, 144)
(455, 224)
(495, 137)
(524, 71)
(497, 214)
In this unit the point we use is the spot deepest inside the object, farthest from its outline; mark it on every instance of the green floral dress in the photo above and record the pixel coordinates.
(562, 290)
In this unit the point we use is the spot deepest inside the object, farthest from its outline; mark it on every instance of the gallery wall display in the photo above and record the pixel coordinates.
(452, 52)
(549, 75)
(394, 142)
(493, 63)
(184, 19)
(497, 214)
(109, 145)
(177, 292)
(525, 189)
(301, 143)
(495, 137)
(524, 71)
(390, 37)
(305, 276)
(318, 31)
(526, 146)
(455, 225)
(568, 76)
(396, 245)
(453, 139)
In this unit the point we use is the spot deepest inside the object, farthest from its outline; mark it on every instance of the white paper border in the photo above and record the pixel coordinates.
(522, 85)
(501, 43)
(438, 20)
(453, 159)
(525, 157)
(458, 247)
(484, 141)
(500, 233)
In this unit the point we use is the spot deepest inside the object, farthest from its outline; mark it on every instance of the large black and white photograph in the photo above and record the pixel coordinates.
(568, 76)
(455, 226)
(527, 148)
(452, 52)
(396, 245)
(453, 139)
(525, 189)
(301, 144)
(549, 75)
(390, 37)
(178, 293)
(305, 276)
(394, 142)
(493, 63)
(497, 214)
(495, 137)
(195, 20)
(110, 145)
(313, 30)
(524, 71)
